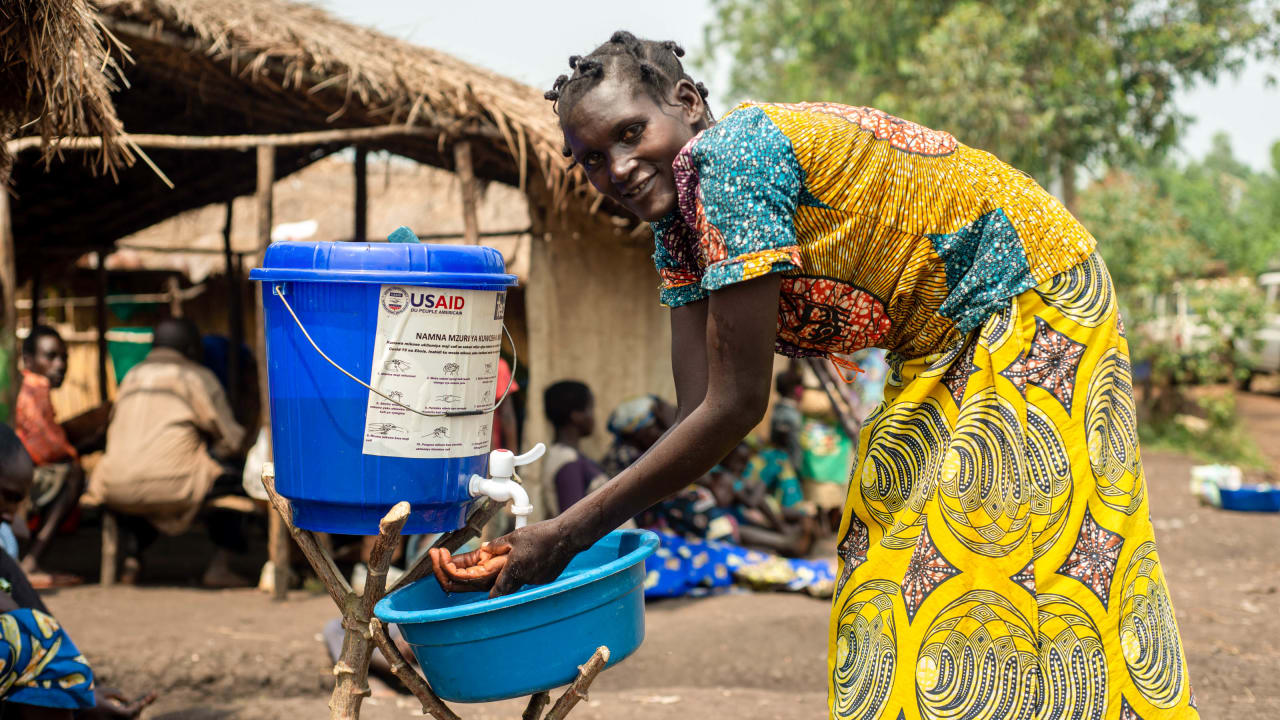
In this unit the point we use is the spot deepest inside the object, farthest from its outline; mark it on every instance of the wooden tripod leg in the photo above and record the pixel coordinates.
(577, 692)
(431, 703)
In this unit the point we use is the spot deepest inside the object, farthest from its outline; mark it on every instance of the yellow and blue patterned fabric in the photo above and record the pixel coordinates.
(997, 558)
(888, 234)
(996, 554)
(41, 666)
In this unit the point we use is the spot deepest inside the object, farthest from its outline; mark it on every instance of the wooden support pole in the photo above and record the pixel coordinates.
(235, 329)
(360, 232)
(278, 544)
(8, 290)
(102, 325)
(431, 703)
(175, 297)
(110, 548)
(467, 178)
(537, 703)
(578, 690)
(37, 289)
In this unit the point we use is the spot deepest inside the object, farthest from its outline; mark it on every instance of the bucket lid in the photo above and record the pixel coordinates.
(451, 266)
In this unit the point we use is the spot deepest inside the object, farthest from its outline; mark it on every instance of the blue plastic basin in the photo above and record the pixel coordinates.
(1251, 498)
(476, 649)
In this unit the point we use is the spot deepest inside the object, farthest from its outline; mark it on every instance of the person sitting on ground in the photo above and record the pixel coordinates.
(169, 437)
(636, 424)
(44, 675)
(773, 467)
(59, 481)
(570, 408)
(761, 521)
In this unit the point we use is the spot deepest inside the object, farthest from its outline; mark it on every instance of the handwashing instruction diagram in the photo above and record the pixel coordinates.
(436, 350)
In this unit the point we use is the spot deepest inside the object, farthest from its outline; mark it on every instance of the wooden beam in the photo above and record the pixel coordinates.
(8, 279)
(278, 532)
(102, 325)
(37, 275)
(235, 319)
(247, 142)
(175, 296)
(360, 233)
(266, 180)
(467, 178)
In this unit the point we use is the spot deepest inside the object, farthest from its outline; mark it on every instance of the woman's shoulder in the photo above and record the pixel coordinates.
(746, 135)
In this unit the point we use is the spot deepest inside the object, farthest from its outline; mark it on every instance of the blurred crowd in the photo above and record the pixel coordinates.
(762, 516)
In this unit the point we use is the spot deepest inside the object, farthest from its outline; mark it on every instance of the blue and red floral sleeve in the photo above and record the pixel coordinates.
(738, 185)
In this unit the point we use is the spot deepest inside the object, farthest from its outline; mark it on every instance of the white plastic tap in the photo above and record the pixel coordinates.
(501, 485)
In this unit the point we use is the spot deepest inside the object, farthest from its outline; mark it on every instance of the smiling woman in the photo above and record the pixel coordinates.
(996, 552)
(624, 131)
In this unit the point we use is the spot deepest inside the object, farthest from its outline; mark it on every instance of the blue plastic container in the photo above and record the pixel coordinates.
(1251, 498)
(318, 415)
(475, 649)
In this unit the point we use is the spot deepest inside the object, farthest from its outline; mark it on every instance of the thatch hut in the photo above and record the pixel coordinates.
(56, 74)
(222, 97)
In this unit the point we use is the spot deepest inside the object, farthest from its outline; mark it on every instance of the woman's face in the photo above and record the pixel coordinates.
(626, 142)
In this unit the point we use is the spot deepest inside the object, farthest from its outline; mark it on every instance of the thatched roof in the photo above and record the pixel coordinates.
(56, 76)
(223, 67)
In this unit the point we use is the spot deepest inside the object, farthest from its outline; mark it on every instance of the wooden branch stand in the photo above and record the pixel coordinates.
(362, 630)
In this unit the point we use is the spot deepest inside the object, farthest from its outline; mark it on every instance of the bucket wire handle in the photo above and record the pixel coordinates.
(278, 291)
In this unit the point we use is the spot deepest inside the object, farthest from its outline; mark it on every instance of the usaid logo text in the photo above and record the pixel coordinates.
(442, 302)
(395, 300)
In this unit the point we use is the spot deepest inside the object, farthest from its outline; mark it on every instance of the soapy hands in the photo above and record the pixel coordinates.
(536, 554)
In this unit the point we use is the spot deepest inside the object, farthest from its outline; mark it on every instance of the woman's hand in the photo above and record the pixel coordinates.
(536, 554)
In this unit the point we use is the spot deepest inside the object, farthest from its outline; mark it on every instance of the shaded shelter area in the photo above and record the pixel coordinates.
(222, 98)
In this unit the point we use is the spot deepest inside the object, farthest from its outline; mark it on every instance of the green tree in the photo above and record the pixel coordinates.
(1047, 84)
(1231, 210)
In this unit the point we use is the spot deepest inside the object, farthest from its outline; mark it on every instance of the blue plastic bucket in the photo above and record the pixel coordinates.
(421, 325)
(476, 649)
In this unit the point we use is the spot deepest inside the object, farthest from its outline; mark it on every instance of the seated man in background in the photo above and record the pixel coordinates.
(44, 675)
(58, 477)
(170, 433)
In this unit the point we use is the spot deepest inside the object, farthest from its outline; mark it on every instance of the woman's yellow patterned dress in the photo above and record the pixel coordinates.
(996, 556)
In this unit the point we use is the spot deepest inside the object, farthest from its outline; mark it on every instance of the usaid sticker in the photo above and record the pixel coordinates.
(395, 300)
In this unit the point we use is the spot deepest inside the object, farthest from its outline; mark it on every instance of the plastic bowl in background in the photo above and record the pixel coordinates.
(1251, 498)
(475, 649)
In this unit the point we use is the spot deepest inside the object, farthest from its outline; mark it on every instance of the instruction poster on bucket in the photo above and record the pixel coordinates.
(434, 376)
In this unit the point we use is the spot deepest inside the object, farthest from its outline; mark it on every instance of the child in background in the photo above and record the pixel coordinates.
(570, 407)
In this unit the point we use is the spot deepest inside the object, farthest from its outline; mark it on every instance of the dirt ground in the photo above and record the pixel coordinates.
(236, 654)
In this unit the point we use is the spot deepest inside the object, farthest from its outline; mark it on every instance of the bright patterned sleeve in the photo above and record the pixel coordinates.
(748, 185)
(681, 277)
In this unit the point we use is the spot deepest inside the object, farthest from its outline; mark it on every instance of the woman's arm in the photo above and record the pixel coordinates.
(735, 352)
(689, 357)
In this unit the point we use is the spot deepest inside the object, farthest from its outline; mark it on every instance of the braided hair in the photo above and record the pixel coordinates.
(653, 66)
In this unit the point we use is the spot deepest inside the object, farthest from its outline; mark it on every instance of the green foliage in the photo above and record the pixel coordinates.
(1044, 84)
(1228, 207)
